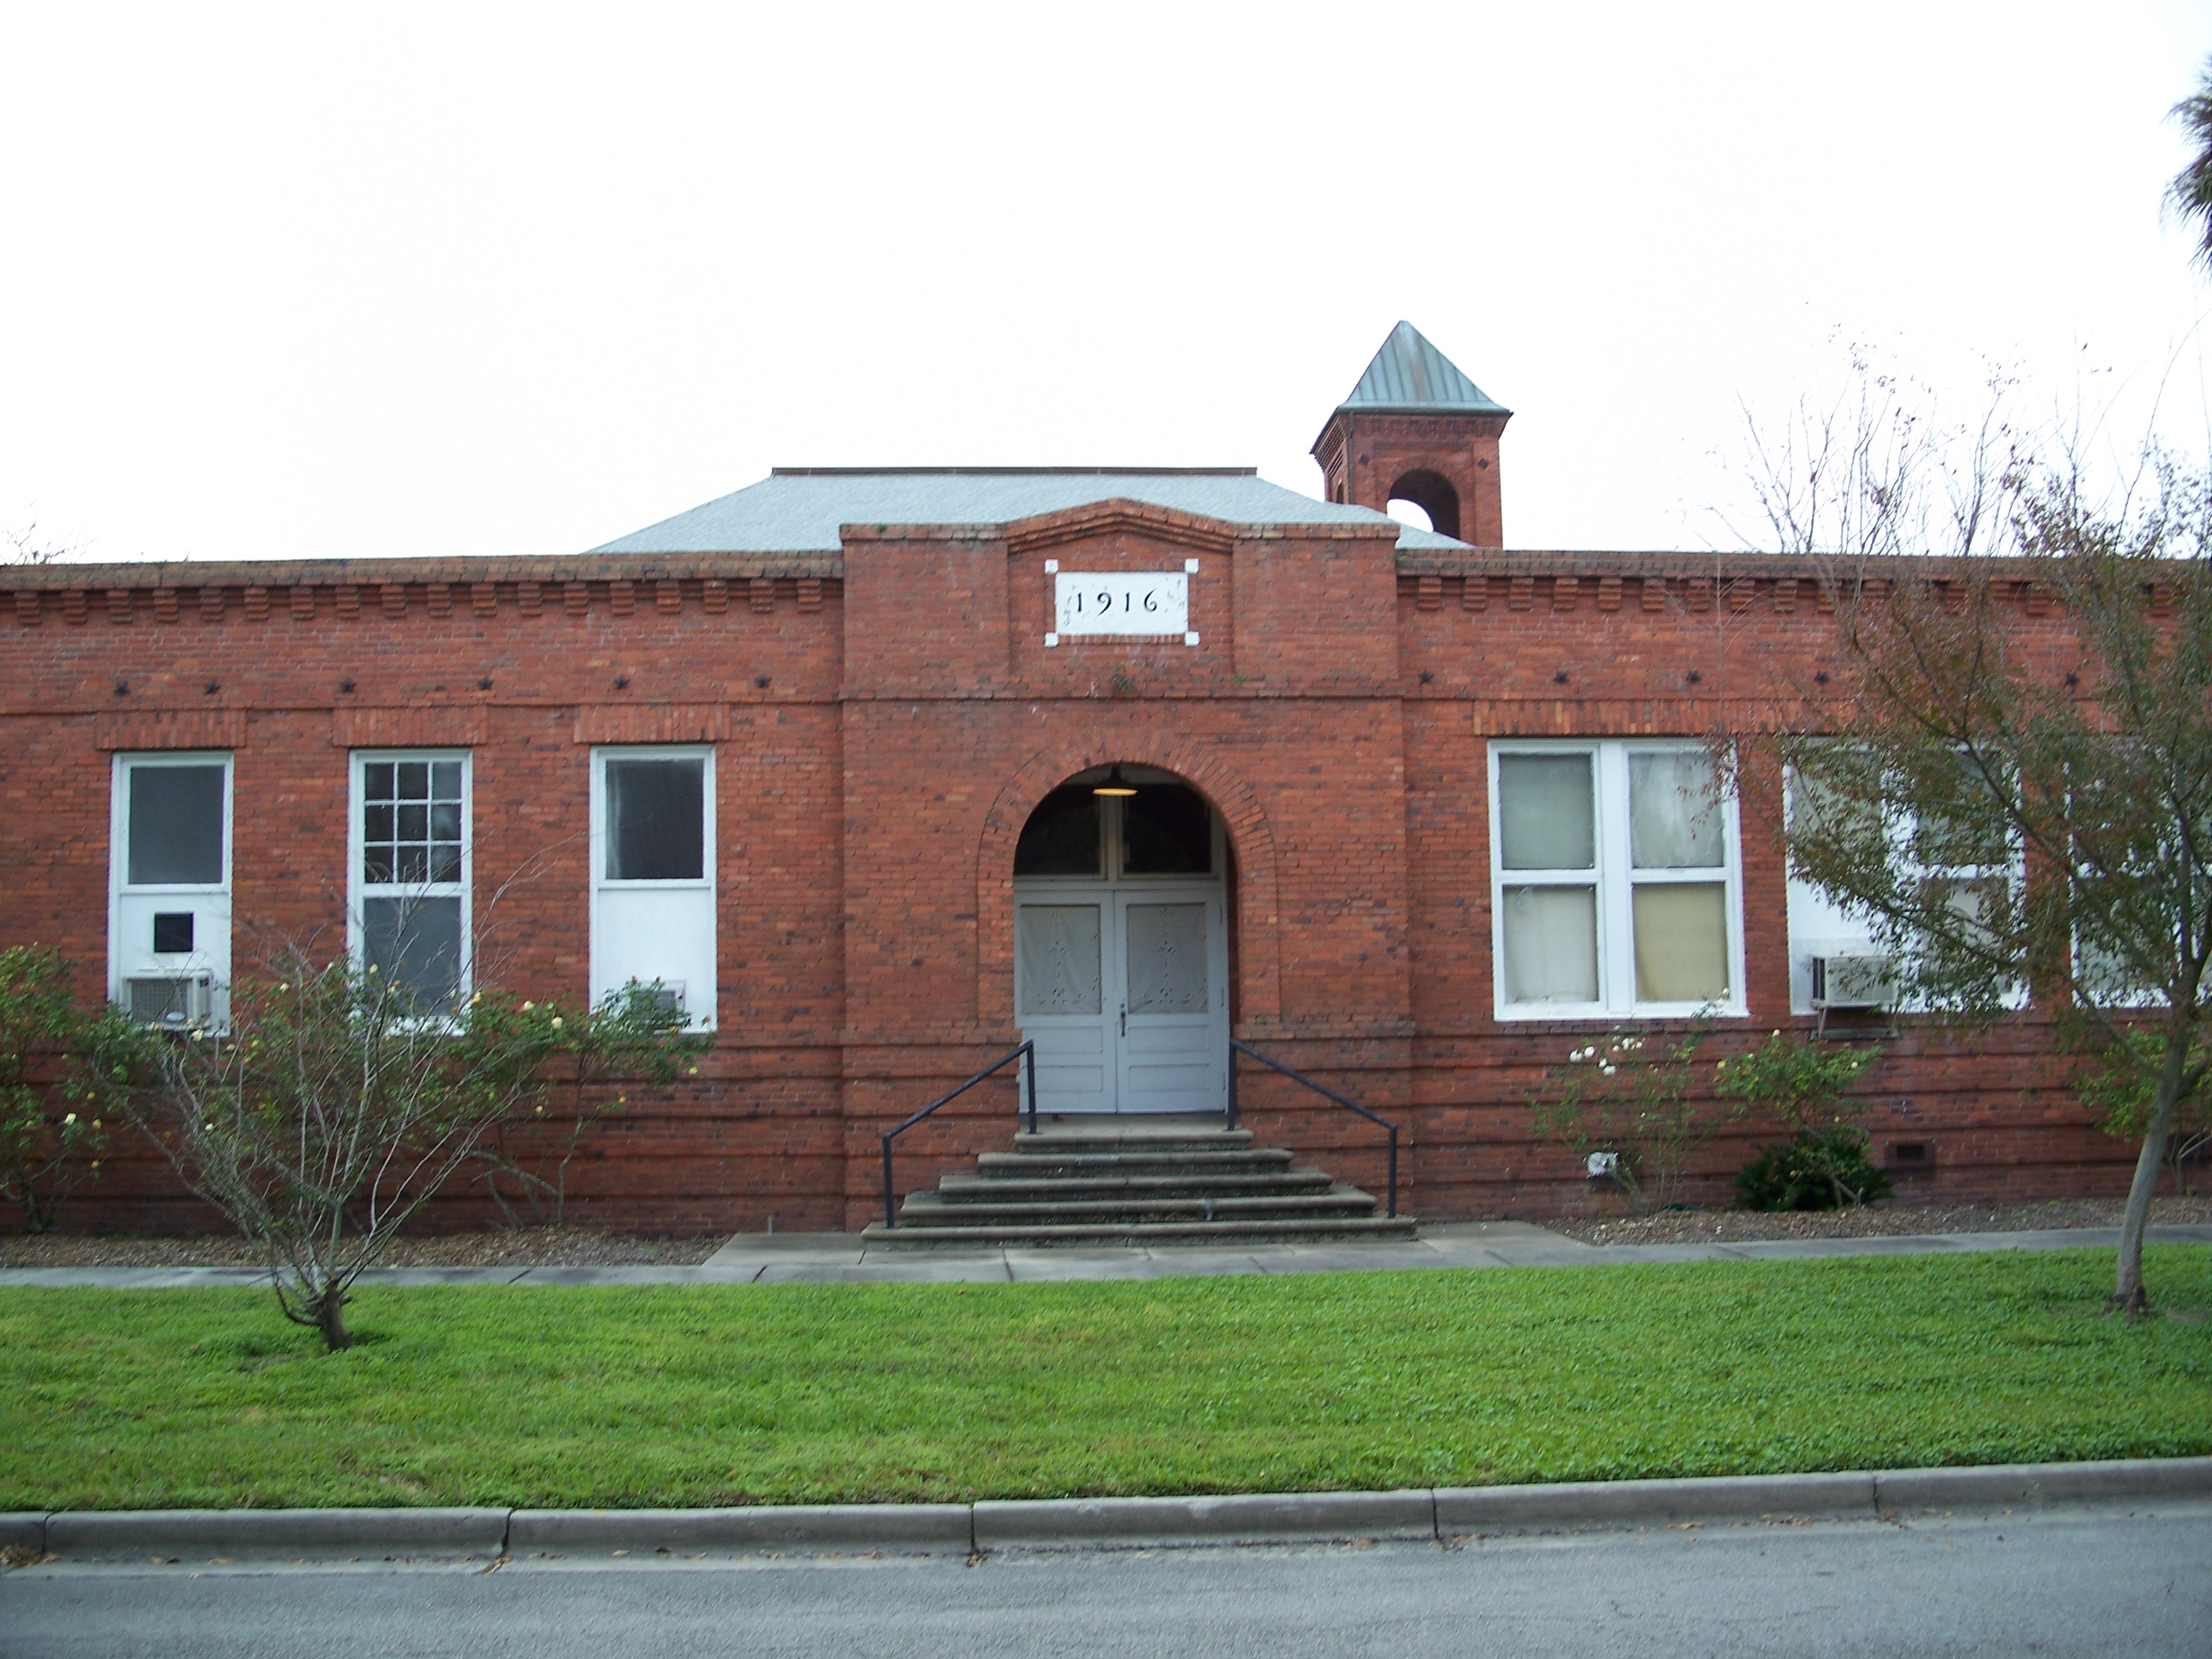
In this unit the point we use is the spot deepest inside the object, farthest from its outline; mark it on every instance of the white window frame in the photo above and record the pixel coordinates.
(1820, 926)
(1615, 882)
(125, 963)
(701, 1001)
(359, 891)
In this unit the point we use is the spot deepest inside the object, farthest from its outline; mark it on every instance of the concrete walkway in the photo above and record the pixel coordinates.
(845, 1259)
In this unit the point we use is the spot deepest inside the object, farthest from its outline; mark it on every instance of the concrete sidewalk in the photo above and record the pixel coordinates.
(845, 1259)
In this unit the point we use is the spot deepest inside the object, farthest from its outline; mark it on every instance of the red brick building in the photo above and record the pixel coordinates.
(1403, 809)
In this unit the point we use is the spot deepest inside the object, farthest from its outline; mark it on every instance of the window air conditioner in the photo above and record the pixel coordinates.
(169, 999)
(1852, 981)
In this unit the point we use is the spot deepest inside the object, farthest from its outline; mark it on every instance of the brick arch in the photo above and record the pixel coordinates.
(1259, 984)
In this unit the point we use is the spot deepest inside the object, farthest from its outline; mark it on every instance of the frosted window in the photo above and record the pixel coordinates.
(1058, 948)
(1674, 811)
(1545, 820)
(175, 825)
(1682, 942)
(415, 943)
(1550, 944)
(656, 820)
(1167, 958)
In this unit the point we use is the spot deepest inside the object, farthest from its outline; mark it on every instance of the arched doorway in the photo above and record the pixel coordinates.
(1122, 945)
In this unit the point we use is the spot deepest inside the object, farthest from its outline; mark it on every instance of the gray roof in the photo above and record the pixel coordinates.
(1409, 372)
(799, 510)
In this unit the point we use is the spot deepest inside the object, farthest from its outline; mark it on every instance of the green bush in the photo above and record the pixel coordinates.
(1814, 1170)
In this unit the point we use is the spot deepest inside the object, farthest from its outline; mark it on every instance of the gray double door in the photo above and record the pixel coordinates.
(1124, 990)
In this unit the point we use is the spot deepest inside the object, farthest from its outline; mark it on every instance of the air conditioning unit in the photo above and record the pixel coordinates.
(1853, 982)
(170, 1000)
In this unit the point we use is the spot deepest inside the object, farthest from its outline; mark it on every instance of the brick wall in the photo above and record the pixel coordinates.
(885, 720)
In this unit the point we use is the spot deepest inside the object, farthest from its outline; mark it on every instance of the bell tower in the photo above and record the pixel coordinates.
(1417, 430)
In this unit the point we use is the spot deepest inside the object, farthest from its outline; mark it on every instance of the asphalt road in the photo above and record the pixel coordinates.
(2049, 1583)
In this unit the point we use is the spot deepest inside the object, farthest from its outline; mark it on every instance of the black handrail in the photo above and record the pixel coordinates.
(890, 1198)
(1349, 1104)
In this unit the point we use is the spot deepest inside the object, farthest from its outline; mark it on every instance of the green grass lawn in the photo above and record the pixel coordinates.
(720, 1394)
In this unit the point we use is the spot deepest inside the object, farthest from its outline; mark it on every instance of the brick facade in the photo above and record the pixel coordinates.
(885, 719)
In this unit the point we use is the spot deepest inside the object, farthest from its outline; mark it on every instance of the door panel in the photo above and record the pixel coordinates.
(1059, 972)
(1176, 1029)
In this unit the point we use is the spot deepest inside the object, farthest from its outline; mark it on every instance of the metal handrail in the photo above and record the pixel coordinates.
(890, 1198)
(1236, 1048)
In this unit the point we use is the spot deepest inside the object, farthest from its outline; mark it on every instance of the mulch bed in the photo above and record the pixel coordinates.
(521, 1247)
(1881, 1220)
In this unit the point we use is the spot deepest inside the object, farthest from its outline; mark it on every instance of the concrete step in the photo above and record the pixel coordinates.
(1180, 1184)
(1318, 1229)
(1062, 1138)
(1254, 1160)
(928, 1210)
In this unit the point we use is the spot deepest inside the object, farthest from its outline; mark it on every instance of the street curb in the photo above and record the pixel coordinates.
(318, 1534)
(198, 1536)
(895, 1528)
(1256, 1518)
(1464, 1510)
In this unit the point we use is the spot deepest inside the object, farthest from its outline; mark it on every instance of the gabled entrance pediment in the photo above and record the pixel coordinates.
(1137, 520)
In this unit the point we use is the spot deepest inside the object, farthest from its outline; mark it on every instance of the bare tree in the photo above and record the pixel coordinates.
(26, 546)
(2015, 811)
(340, 1098)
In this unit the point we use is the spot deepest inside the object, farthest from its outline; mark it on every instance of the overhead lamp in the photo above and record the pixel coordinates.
(1114, 785)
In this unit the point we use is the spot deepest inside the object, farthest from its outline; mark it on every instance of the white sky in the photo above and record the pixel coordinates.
(320, 282)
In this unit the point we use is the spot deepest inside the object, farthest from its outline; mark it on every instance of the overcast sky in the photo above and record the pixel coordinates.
(309, 281)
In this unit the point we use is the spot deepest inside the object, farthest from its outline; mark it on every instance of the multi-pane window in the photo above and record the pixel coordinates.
(411, 871)
(170, 887)
(653, 876)
(1615, 885)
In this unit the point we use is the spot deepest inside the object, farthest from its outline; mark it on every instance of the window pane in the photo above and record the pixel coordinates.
(1060, 964)
(446, 780)
(174, 824)
(1821, 806)
(1545, 815)
(376, 780)
(414, 780)
(1550, 944)
(1061, 837)
(415, 943)
(656, 820)
(1165, 831)
(1166, 966)
(1682, 942)
(1965, 824)
(1674, 811)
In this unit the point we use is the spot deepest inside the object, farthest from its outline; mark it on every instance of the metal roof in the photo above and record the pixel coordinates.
(1409, 373)
(799, 509)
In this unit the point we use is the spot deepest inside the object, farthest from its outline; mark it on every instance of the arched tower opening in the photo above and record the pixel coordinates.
(1432, 492)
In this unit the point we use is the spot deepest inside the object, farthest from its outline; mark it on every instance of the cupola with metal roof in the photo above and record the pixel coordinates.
(1417, 429)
